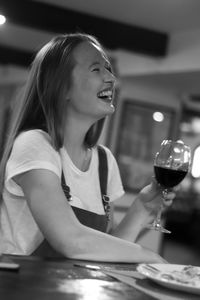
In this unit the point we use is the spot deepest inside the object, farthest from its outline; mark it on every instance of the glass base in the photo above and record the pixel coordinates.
(158, 227)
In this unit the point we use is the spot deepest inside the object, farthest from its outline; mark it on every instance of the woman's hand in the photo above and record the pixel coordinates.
(151, 196)
(142, 211)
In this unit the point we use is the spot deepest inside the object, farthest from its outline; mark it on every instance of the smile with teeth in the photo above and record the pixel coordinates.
(105, 95)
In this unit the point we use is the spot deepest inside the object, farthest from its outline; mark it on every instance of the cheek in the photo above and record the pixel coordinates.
(85, 86)
(88, 82)
(81, 85)
(87, 90)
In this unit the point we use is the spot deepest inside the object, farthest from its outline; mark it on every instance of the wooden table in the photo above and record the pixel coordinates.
(59, 279)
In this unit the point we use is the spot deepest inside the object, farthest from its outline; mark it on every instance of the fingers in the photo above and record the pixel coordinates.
(176, 188)
(167, 202)
(155, 185)
(168, 198)
(168, 195)
(152, 196)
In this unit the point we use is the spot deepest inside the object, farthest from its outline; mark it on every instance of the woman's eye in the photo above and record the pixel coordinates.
(96, 70)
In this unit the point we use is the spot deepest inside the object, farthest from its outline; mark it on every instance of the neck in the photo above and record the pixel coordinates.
(74, 143)
(75, 133)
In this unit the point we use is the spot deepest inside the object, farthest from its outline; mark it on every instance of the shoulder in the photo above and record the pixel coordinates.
(33, 136)
(32, 149)
(33, 141)
(34, 145)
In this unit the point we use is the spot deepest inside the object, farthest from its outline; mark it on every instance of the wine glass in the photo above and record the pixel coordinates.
(171, 165)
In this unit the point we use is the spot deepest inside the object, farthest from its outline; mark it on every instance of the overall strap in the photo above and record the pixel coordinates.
(66, 188)
(103, 178)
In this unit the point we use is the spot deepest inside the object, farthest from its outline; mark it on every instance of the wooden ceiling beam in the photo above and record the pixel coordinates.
(113, 35)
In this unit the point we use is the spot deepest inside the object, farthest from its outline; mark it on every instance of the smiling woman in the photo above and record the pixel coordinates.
(92, 82)
(57, 184)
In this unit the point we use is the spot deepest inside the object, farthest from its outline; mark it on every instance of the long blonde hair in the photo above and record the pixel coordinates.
(43, 104)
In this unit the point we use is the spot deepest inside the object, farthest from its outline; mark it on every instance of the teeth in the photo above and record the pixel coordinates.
(105, 94)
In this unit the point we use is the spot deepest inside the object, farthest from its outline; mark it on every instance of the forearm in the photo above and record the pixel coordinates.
(93, 245)
(141, 212)
(134, 221)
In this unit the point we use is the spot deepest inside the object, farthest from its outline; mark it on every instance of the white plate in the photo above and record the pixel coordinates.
(191, 285)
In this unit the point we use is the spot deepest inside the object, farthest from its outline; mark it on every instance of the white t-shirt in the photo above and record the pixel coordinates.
(33, 150)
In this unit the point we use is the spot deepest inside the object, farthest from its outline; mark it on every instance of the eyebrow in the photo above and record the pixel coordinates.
(107, 63)
(95, 63)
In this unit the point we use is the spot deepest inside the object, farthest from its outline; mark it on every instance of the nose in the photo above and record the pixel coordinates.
(109, 77)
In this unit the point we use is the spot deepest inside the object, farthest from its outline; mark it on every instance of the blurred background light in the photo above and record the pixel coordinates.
(2, 19)
(196, 162)
(158, 116)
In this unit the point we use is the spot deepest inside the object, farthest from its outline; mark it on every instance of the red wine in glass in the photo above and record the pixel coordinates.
(171, 165)
(168, 178)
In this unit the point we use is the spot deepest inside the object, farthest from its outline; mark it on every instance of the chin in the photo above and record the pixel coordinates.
(109, 111)
(105, 110)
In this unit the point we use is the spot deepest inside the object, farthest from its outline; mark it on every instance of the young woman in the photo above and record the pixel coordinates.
(52, 202)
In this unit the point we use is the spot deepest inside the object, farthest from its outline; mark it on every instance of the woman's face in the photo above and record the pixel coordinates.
(92, 89)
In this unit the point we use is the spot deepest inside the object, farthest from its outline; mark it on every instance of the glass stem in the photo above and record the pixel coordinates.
(158, 217)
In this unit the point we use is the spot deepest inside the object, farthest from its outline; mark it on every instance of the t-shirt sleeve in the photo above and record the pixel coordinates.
(114, 184)
(31, 150)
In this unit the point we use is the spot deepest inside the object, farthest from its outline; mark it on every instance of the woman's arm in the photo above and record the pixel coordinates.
(65, 233)
(142, 211)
